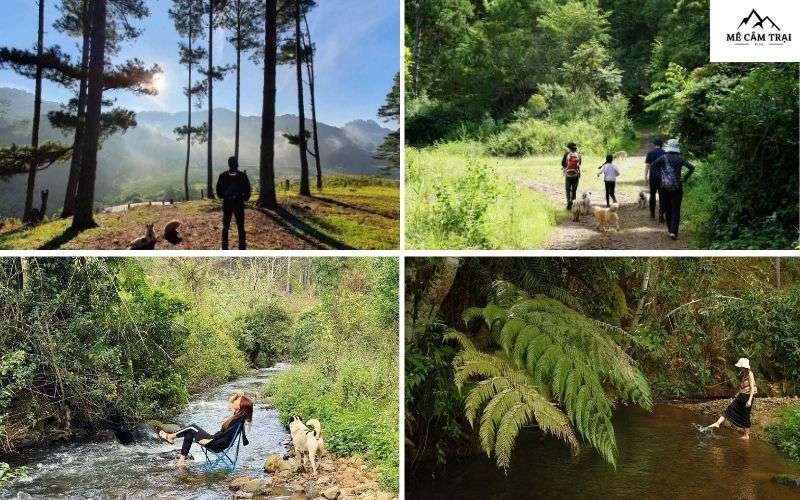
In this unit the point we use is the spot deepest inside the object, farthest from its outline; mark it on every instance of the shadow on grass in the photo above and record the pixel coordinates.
(62, 239)
(301, 229)
(354, 207)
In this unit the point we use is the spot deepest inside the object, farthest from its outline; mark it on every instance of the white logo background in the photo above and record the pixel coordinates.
(727, 15)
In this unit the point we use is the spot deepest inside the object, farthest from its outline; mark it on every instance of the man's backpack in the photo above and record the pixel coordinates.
(572, 166)
(236, 189)
(669, 178)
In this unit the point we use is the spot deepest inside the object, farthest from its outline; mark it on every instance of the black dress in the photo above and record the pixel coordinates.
(738, 413)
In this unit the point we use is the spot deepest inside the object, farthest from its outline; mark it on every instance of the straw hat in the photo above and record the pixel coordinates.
(743, 363)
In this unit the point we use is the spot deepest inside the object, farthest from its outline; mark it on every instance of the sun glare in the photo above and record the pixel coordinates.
(159, 82)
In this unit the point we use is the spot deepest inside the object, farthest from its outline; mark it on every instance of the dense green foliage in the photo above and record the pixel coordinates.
(785, 432)
(349, 381)
(525, 78)
(569, 357)
(682, 323)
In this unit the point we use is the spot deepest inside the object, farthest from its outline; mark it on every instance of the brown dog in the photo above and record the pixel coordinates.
(607, 217)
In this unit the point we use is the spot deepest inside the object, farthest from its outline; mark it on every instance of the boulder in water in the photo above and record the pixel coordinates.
(787, 480)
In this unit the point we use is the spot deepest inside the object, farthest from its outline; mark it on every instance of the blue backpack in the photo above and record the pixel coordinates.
(669, 178)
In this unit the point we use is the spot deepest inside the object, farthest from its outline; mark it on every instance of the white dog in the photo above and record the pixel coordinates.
(307, 440)
(586, 203)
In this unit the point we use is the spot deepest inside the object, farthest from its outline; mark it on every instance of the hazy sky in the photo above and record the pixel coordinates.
(357, 57)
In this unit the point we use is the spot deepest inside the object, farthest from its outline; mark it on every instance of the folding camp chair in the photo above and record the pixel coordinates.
(223, 458)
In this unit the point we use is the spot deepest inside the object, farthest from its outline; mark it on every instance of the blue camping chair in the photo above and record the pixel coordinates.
(226, 458)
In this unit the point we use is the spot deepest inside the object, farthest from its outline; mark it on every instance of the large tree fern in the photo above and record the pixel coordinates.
(549, 354)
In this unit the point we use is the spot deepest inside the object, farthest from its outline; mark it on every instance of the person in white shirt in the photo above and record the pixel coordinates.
(610, 173)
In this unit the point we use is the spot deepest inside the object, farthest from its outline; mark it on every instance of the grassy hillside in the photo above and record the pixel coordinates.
(350, 212)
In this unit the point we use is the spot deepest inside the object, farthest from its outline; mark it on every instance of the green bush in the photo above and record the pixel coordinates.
(211, 355)
(785, 432)
(264, 333)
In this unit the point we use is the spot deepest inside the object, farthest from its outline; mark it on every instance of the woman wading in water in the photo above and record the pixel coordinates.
(738, 412)
(242, 408)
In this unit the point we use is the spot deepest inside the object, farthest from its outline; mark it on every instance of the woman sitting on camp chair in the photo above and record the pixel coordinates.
(242, 408)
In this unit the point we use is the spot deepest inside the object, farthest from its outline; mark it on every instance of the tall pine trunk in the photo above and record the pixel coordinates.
(298, 44)
(210, 160)
(311, 87)
(84, 206)
(266, 160)
(77, 143)
(37, 110)
(238, 75)
(189, 119)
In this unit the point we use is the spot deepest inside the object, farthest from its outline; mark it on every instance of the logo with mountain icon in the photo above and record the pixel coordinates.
(761, 21)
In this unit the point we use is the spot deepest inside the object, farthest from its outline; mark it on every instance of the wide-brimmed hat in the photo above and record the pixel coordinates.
(743, 363)
(673, 146)
(572, 145)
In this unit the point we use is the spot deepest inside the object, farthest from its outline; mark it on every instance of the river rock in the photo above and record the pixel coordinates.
(787, 480)
(239, 482)
(273, 463)
(242, 494)
(252, 486)
(331, 493)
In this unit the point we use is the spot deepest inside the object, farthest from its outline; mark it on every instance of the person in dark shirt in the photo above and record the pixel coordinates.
(241, 407)
(652, 176)
(233, 188)
(670, 165)
(571, 167)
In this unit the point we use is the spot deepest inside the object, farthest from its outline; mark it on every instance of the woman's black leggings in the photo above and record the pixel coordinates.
(191, 434)
(610, 187)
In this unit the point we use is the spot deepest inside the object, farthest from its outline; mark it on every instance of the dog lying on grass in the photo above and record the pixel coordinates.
(607, 217)
(307, 440)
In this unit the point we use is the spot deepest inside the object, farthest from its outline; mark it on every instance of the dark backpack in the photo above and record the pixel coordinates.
(236, 189)
(669, 177)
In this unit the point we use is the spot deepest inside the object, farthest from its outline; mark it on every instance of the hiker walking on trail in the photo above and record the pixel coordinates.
(233, 188)
(610, 172)
(652, 176)
(571, 166)
(670, 165)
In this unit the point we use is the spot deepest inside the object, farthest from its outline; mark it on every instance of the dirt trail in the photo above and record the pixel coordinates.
(637, 230)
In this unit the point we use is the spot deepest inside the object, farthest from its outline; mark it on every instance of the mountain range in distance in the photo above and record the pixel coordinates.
(152, 149)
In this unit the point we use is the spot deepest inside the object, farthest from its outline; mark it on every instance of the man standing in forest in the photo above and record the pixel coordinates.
(652, 176)
(233, 188)
(571, 166)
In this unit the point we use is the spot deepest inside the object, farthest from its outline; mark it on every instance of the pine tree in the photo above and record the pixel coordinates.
(37, 109)
(389, 150)
(187, 17)
(84, 205)
(308, 52)
(241, 18)
(302, 137)
(266, 161)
